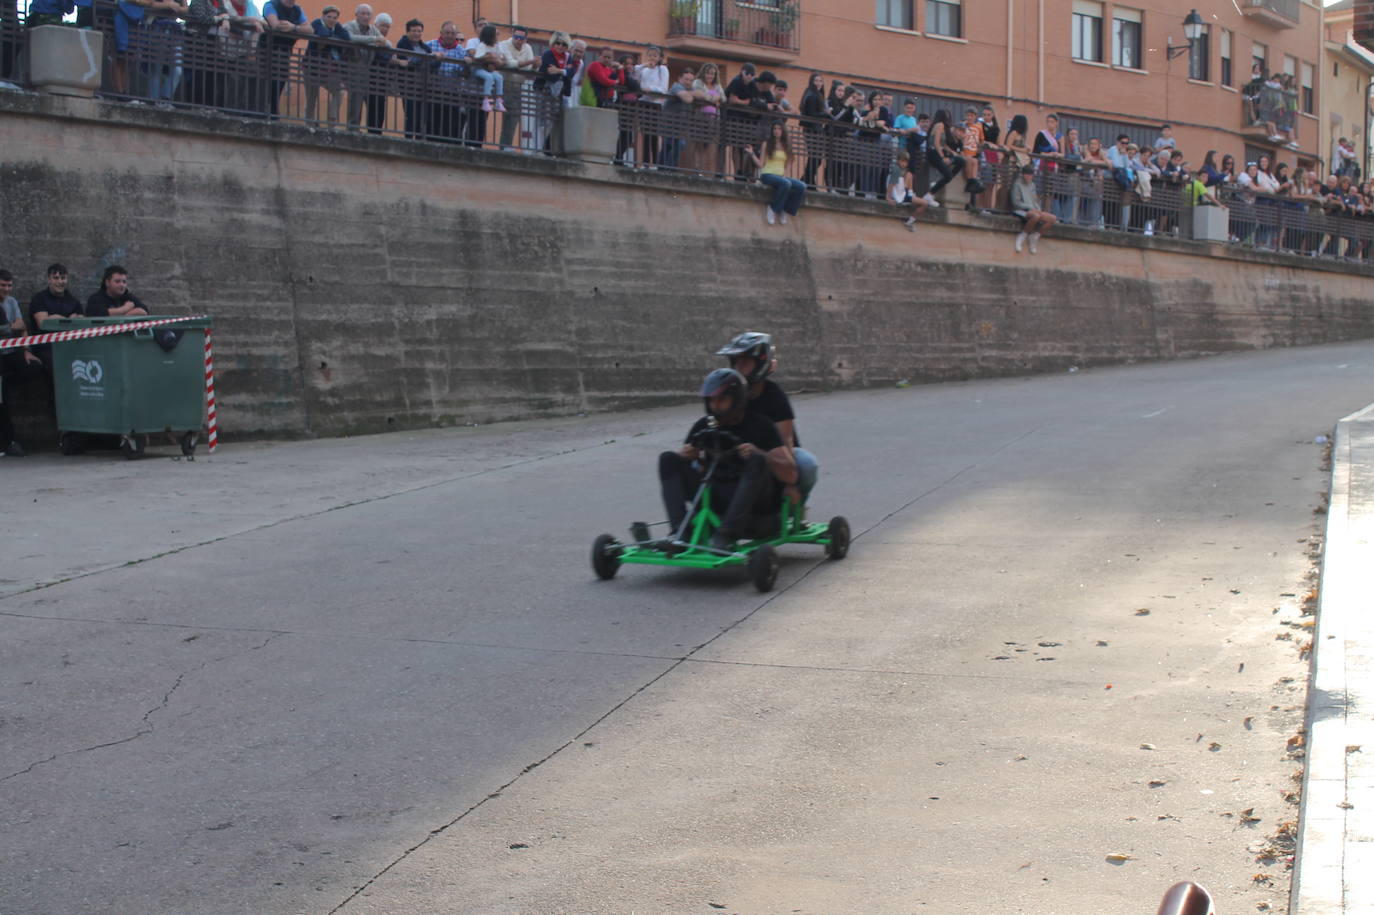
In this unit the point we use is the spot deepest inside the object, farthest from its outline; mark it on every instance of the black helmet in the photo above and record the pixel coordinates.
(725, 381)
(757, 346)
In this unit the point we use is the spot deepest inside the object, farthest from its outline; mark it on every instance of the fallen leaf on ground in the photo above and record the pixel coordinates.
(1143, 611)
(1117, 857)
(1147, 746)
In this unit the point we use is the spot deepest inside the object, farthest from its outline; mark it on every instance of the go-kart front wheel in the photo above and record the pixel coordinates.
(763, 567)
(838, 545)
(605, 556)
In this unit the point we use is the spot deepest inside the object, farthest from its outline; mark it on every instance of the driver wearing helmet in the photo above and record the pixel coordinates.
(752, 355)
(747, 482)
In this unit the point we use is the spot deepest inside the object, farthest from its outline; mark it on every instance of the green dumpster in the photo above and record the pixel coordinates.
(130, 384)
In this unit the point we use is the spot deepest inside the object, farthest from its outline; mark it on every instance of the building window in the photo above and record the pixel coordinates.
(1126, 33)
(1226, 75)
(943, 18)
(1087, 30)
(895, 13)
(1309, 98)
(1259, 57)
(1199, 56)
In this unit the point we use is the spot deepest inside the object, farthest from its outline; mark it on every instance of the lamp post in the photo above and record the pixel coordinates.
(1192, 30)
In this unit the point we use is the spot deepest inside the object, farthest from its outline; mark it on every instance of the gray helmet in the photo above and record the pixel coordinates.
(725, 381)
(757, 346)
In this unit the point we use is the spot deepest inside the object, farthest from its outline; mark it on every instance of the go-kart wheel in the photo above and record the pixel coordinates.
(605, 556)
(132, 446)
(838, 547)
(69, 443)
(763, 567)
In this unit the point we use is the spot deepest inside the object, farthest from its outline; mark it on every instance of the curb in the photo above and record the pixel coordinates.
(1334, 864)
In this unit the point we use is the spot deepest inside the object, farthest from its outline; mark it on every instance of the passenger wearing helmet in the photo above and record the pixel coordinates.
(748, 482)
(752, 355)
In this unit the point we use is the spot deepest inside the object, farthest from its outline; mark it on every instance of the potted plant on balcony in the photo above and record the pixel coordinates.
(683, 14)
(730, 29)
(781, 22)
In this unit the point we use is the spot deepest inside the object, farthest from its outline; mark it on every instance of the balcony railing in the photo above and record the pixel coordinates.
(1281, 14)
(772, 24)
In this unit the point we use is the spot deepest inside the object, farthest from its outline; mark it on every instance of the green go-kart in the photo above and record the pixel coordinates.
(688, 546)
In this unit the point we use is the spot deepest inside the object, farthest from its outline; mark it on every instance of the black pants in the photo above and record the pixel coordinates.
(750, 492)
(15, 372)
(938, 162)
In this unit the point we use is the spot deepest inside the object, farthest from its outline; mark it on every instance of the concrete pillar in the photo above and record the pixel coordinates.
(589, 134)
(65, 60)
(1211, 223)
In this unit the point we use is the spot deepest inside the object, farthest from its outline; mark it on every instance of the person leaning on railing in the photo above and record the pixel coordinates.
(324, 64)
(163, 33)
(365, 67)
(226, 34)
(286, 24)
(521, 64)
(682, 98)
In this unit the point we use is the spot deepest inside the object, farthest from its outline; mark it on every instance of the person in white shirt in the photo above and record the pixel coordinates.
(521, 62)
(653, 84)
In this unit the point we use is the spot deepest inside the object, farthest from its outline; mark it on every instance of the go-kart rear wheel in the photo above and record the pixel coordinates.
(763, 567)
(605, 556)
(838, 547)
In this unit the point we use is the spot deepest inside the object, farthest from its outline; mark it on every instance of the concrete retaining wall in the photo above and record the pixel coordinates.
(362, 283)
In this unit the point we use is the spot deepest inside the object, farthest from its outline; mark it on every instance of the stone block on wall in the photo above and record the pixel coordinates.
(1211, 223)
(590, 134)
(65, 60)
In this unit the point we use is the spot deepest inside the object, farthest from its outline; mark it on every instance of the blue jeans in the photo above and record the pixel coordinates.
(671, 152)
(492, 83)
(807, 470)
(787, 193)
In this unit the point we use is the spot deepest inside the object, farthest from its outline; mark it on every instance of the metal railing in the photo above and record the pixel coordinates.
(328, 84)
(765, 23)
(1285, 8)
(1311, 225)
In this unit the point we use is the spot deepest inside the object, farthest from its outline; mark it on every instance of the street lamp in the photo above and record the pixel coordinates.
(1192, 30)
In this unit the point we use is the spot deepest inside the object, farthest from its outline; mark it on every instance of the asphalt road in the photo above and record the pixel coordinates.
(376, 675)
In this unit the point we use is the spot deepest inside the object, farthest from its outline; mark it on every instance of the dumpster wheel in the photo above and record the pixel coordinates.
(188, 445)
(69, 443)
(132, 445)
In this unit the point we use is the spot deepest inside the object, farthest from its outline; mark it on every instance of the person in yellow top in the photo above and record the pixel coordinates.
(787, 192)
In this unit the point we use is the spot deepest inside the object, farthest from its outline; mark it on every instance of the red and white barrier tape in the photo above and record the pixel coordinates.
(105, 330)
(211, 424)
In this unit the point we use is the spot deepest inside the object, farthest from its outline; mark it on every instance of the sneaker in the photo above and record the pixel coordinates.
(500, 105)
(782, 217)
(486, 104)
(14, 449)
(721, 541)
(1020, 241)
(770, 216)
(931, 201)
(910, 223)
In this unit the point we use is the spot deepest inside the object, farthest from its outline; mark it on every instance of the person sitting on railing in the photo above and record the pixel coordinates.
(1250, 95)
(488, 62)
(1271, 107)
(113, 298)
(942, 151)
(899, 181)
(788, 193)
(1025, 204)
(324, 65)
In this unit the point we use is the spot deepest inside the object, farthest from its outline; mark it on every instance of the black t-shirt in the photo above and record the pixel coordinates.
(772, 402)
(754, 428)
(63, 306)
(100, 303)
(745, 92)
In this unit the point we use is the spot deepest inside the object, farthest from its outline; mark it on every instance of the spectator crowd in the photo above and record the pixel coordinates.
(836, 137)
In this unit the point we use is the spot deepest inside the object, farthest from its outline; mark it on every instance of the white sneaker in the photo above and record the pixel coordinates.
(772, 217)
(1033, 239)
(1020, 240)
(782, 217)
(931, 201)
(1149, 227)
(911, 223)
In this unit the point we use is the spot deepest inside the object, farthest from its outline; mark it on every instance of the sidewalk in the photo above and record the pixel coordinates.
(1335, 860)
